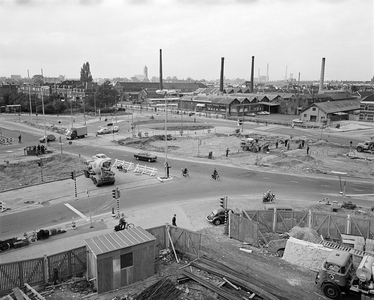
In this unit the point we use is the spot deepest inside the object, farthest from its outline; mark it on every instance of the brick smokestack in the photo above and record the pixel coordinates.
(252, 73)
(221, 77)
(161, 85)
(322, 74)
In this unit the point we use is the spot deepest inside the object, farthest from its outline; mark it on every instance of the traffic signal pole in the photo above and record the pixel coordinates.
(74, 177)
(116, 194)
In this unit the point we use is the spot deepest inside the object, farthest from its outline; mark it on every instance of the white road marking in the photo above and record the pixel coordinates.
(266, 177)
(76, 211)
(357, 190)
(325, 185)
(294, 181)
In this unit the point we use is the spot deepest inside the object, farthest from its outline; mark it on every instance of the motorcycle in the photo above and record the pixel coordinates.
(122, 226)
(185, 172)
(268, 197)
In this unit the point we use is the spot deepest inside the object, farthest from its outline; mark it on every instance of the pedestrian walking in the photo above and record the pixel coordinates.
(227, 152)
(293, 125)
(307, 150)
(302, 143)
(276, 144)
(285, 143)
(174, 220)
(19, 139)
(288, 146)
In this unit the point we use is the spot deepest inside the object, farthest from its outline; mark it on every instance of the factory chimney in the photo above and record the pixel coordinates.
(267, 73)
(161, 85)
(221, 77)
(252, 73)
(322, 75)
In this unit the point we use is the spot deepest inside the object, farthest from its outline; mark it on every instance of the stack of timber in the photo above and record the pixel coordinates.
(162, 289)
(263, 289)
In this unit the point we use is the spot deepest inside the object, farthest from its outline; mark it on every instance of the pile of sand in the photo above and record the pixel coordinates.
(305, 234)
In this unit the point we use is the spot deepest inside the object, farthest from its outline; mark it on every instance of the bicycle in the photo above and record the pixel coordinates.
(32, 238)
(216, 177)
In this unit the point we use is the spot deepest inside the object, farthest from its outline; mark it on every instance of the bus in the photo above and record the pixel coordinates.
(15, 108)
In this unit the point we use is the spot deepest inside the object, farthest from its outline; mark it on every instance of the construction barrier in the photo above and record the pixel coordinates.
(6, 141)
(145, 170)
(123, 165)
(3, 206)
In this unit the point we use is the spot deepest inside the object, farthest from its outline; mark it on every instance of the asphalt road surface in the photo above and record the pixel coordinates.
(235, 181)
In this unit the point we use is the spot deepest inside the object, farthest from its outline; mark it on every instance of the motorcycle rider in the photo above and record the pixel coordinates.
(185, 171)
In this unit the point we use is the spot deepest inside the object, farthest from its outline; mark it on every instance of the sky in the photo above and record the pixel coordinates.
(119, 37)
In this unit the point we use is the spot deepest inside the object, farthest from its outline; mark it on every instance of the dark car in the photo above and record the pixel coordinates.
(217, 216)
(50, 138)
(145, 156)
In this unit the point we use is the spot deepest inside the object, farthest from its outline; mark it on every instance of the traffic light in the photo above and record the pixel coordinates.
(114, 193)
(240, 122)
(72, 175)
(40, 163)
(222, 202)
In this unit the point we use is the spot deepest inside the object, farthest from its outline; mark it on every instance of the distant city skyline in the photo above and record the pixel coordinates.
(119, 37)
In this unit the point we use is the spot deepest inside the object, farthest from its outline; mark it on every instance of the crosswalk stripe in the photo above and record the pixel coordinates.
(76, 211)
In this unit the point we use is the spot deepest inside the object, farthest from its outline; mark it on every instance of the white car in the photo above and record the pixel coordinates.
(100, 155)
(299, 121)
(104, 130)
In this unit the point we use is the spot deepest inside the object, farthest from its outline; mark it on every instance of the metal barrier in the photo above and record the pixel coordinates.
(3, 206)
(145, 170)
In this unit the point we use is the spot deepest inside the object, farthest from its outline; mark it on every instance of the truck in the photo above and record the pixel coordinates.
(338, 275)
(365, 146)
(99, 170)
(253, 145)
(76, 133)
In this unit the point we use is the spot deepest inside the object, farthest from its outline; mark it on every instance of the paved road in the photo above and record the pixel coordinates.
(236, 181)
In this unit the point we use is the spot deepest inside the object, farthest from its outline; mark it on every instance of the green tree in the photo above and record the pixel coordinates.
(106, 95)
(86, 73)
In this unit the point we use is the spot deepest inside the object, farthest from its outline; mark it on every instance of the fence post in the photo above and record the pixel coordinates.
(46, 268)
(274, 219)
(349, 224)
(310, 219)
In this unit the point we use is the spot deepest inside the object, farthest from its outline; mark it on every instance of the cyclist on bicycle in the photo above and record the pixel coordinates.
(215, 174)
(185, 171)
(122, 221)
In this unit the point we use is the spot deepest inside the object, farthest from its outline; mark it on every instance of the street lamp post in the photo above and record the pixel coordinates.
(84, 109)
(164, 92)
(45, 132)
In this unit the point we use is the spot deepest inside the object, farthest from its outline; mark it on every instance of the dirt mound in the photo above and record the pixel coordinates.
(305, 234)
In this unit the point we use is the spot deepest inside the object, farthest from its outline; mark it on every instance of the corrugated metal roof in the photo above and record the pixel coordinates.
(118, 240)
(336, 106)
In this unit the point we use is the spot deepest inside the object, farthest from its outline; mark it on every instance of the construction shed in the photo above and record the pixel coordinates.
(120, 258)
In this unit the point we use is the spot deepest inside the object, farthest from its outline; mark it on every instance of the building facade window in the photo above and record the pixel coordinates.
(126, 260)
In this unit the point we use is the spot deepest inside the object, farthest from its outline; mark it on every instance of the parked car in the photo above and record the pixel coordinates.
(50, 138)
(100, 155)
(299, 121)
(145, 156)
(217, 216)
(104, 130)
(251, 115)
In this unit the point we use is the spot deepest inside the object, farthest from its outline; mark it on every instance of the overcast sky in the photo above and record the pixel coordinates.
(119, 37)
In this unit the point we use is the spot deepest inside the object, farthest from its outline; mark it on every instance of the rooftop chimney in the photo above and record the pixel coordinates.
(252, 73)
(322, 75)
(161, 86)
(221, 77)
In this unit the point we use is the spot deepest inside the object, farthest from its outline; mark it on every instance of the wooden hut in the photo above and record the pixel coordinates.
(120, 258)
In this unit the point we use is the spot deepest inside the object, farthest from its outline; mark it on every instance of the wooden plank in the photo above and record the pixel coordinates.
(172, 246)
(18, 294)
(34, 292)
(210, 286)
